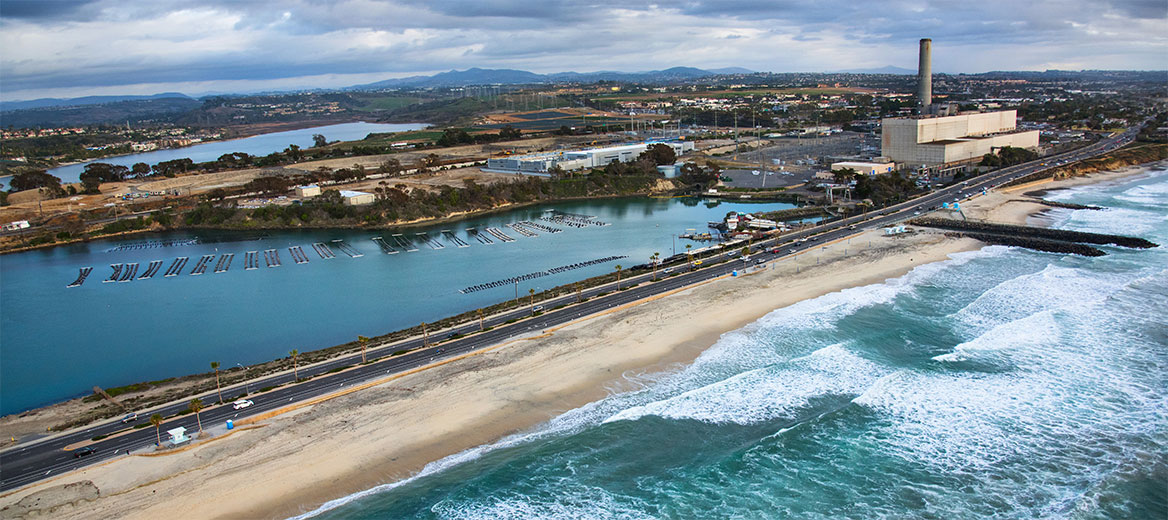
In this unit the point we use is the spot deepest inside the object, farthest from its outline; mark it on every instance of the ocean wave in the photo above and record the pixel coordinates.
(768, 393)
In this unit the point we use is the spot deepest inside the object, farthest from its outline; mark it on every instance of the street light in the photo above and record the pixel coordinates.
(246, 382)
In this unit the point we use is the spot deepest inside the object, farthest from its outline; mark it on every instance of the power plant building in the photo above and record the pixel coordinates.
(946, 140)
(541, 163)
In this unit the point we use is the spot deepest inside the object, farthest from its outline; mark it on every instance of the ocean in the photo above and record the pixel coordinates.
(1001, 383)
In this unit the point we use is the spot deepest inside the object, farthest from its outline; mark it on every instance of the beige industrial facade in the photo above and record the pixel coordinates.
(935, 141)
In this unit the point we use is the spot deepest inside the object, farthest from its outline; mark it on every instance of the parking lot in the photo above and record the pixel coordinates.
(764, 178)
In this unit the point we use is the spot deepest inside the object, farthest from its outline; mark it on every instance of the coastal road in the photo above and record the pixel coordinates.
(45, 458)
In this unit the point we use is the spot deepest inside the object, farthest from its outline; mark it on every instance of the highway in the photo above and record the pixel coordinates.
(29, 462)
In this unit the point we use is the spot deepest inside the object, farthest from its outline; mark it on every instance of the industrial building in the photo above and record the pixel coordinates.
(928, 140)
(939, 138)
(310, 190)
(357, 198)
(541, 163)
(866, 168)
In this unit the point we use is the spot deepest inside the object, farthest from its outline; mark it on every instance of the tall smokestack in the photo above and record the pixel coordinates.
(925, 74)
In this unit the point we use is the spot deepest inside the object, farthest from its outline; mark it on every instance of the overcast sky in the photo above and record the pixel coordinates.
(69, 48)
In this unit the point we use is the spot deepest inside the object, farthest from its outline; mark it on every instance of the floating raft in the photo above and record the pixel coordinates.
(272, 257)
(176, 267)
(201, 265)
(434, 244)
(385, 247)
(503, 237)
(348, 249)
(129, 272)
(224, 263)
(452, 238)
(151, 270)
(483, 239)
(323, 250)
(523, 231)
(81, 276)
(403, 243)
(538, 274)
(541, 227)
(154, 243)
(298, 255)
(251, 260)
(117, 272)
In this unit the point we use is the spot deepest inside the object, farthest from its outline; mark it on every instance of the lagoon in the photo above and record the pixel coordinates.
(262, 144)
(59, 342)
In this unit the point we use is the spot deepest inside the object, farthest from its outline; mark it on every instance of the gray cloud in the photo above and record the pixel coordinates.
(100, 44)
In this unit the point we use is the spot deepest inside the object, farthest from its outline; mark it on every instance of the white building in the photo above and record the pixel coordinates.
(541, 163)
(866, 168)
(310, 190)
(13, 226)
(357, 198)
(944, 140)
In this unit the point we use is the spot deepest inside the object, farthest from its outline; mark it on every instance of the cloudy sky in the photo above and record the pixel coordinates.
(68, 48)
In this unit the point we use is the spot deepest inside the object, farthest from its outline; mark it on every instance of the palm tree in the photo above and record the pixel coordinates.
(690, 255)
(532, 300)
(364, 343)
(654, 260)
(218, 390)
(196, 406)
(295, 374)
(618, 269)
(156, 420)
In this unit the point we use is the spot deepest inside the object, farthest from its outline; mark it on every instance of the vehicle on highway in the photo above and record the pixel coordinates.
(755, 172)
(81, 452)
(667, 270)
(697, 263)
(130, 417)
(732, 253)
(242, 403)
(537, 308)
(775, 250)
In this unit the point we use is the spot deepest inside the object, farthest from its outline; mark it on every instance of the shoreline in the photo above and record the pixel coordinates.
(486, 396)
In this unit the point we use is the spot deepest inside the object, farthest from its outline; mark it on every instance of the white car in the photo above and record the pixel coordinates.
(242, 403)
(755, 172)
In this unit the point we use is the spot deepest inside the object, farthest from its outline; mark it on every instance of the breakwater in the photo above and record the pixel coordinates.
(1063, 205)
(1007, 230)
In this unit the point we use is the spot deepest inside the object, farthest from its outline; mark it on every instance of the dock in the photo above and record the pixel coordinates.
(81, 276)
(483, 239)
(541, 227)
(538, 274)
(251, 260)
(403, 243)
(298, 255)
(434, 244)
(523, 230)
(149, 244)
(385, 247)
(348, 249)
(176, 267)
(129, 272)
(323, 250)
(117, 272)
(453, 239)
(224, 263)
(151, 270)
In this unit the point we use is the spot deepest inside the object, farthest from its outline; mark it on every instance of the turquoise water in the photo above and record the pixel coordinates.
(1001, 383)
(58, 342)
(263, 144)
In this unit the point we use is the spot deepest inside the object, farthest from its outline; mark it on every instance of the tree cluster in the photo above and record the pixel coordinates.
(1007, 156)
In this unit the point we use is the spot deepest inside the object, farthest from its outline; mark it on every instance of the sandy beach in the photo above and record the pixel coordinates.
(293, 462)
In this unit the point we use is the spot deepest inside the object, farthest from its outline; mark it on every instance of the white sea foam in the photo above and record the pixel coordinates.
(767, 393)
(570, 503)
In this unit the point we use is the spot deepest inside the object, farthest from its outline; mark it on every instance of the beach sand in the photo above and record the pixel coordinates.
(296, 461)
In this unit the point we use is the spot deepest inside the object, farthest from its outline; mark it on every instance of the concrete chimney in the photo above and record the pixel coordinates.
(925, 74)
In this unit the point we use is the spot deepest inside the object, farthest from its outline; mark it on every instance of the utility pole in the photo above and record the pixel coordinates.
(481, 327)
(425, 336)
(578, 298)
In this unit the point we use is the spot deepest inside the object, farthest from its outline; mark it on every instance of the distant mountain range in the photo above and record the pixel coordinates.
(88, 100)
(477, 76)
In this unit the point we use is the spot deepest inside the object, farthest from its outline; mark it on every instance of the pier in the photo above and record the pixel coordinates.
(81, 276)
(251, 260)
(176, 267)
(298, 255)
(434, 244)
(114, 277)
(385, 247)
(201, 265)
(272, 257)
(348, 249)
(497, 233)
(224, 263)
(403, 243)
(453, 239)
(151, 270)
(323, 250)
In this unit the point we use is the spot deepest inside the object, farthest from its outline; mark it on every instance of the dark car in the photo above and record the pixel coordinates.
(88, 450)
